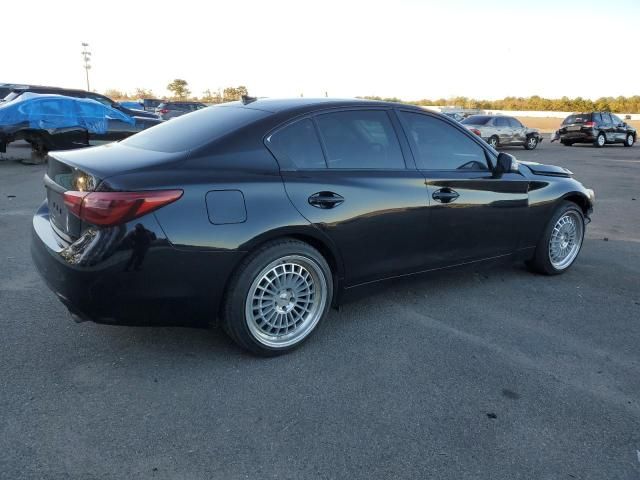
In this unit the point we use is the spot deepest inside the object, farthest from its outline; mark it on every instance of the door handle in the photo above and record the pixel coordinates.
(445, 195)
(325, 200)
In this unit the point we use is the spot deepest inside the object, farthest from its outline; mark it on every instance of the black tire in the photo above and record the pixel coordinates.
(531, 143)
(629, 141)
(566, 144)
(493, 141)
(234, 315)
(600, 143)
(541, 261)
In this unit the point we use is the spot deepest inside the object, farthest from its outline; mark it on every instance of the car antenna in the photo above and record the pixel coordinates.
(246, 99)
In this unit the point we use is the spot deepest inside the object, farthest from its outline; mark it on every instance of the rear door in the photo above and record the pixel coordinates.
(518, 131)
(606, 126)
(474, 214)
(504, 130)
(345, 172)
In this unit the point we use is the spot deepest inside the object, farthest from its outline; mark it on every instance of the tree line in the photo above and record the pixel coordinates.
(535, 103)
(180, 90)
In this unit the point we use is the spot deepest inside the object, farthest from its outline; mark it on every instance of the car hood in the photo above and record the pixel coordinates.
(547, 170)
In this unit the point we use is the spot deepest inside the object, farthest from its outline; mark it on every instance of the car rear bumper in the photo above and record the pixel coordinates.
(107, 276)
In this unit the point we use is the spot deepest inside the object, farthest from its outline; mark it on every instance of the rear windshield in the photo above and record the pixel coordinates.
(577, 118)
(477, 120)
(194, 130)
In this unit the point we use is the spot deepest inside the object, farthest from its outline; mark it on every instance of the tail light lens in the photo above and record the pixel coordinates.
(114, 208)
(476, 131)
(163, 110)
(589, 124)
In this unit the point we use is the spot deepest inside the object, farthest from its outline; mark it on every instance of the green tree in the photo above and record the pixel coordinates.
(231, 94)
(179, 88)
(115, 94)
(142, 93)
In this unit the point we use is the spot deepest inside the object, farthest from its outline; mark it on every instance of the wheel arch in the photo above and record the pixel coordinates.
(581, 200)
(307, 234)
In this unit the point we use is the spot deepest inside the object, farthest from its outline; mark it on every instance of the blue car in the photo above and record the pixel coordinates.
(56, 122)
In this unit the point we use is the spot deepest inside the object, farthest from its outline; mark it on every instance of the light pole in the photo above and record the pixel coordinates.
(86, 56)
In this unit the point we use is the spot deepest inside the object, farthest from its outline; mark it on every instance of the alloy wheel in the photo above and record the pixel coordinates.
(566, 240)
(285, 301)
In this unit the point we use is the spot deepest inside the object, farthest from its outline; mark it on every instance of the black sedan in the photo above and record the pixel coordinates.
(260, 215)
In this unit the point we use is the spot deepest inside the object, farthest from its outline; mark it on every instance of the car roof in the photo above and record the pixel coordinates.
(282, 105)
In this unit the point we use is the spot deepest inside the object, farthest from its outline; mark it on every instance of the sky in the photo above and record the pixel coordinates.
(403, 48)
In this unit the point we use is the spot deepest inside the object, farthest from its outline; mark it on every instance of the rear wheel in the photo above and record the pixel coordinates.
(566, 143)
(531, 143)
(561, 241)
(629, 141)
(278, 297)
(493, 141)
(600, 141)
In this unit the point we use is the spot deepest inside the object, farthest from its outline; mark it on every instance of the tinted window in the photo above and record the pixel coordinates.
(440, 146)
(597, 117)
(577, 118)
(191, 131)
(514, 123)
(615, 119)
(501, 122)
(360, 139)
(298, 145)
(605, 118)
(477, 120)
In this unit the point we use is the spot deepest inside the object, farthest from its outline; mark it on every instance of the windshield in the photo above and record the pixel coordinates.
(194, 130)
(12, 96)
(477, 120)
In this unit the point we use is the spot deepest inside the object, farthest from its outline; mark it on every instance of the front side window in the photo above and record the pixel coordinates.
(606, 118)
(360, 139)
(297, 145)
(615, 119)
(515, 123)
(440, 146)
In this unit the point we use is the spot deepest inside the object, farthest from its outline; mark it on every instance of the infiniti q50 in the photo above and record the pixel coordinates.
(260, 215)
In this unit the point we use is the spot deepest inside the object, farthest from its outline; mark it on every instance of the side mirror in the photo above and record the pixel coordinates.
(506, 163)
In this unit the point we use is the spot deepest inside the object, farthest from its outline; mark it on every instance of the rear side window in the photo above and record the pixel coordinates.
(298, 145)
(192, 131)
(501, 122)
(360, 139)
(605, 118)
(440, 146)
(477, 120)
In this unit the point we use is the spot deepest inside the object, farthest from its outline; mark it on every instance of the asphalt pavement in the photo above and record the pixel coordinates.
(474, 374)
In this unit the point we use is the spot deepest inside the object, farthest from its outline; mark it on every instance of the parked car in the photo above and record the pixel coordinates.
(16, 92)
(150, 104)
(168, 110)
(54, 122)
(598, 128)
(133, 106)
(502, 131)
(260, 217)
(456, 116)
(6, 88)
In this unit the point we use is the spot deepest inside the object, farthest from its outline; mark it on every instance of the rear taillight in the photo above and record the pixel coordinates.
(476, 131)
(589, 124)
(163, 110)
(113, 208)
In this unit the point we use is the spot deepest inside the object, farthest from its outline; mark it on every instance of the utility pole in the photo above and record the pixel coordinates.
(86, 56)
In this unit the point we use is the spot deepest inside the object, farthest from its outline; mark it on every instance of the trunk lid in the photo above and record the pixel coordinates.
(86, 170)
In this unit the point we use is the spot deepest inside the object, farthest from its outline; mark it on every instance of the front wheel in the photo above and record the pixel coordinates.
(278, 297)
(629, 141)
(561, 241)
(600, 140)
(531, 143)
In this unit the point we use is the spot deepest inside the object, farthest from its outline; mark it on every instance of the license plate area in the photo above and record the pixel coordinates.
(574, 128)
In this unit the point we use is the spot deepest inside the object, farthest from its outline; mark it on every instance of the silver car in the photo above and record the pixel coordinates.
(500, 131)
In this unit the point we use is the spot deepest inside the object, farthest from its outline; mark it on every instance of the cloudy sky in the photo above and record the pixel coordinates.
(406, 48)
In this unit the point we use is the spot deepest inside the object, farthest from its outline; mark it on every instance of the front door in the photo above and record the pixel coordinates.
(473, 214)
(345, 172)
